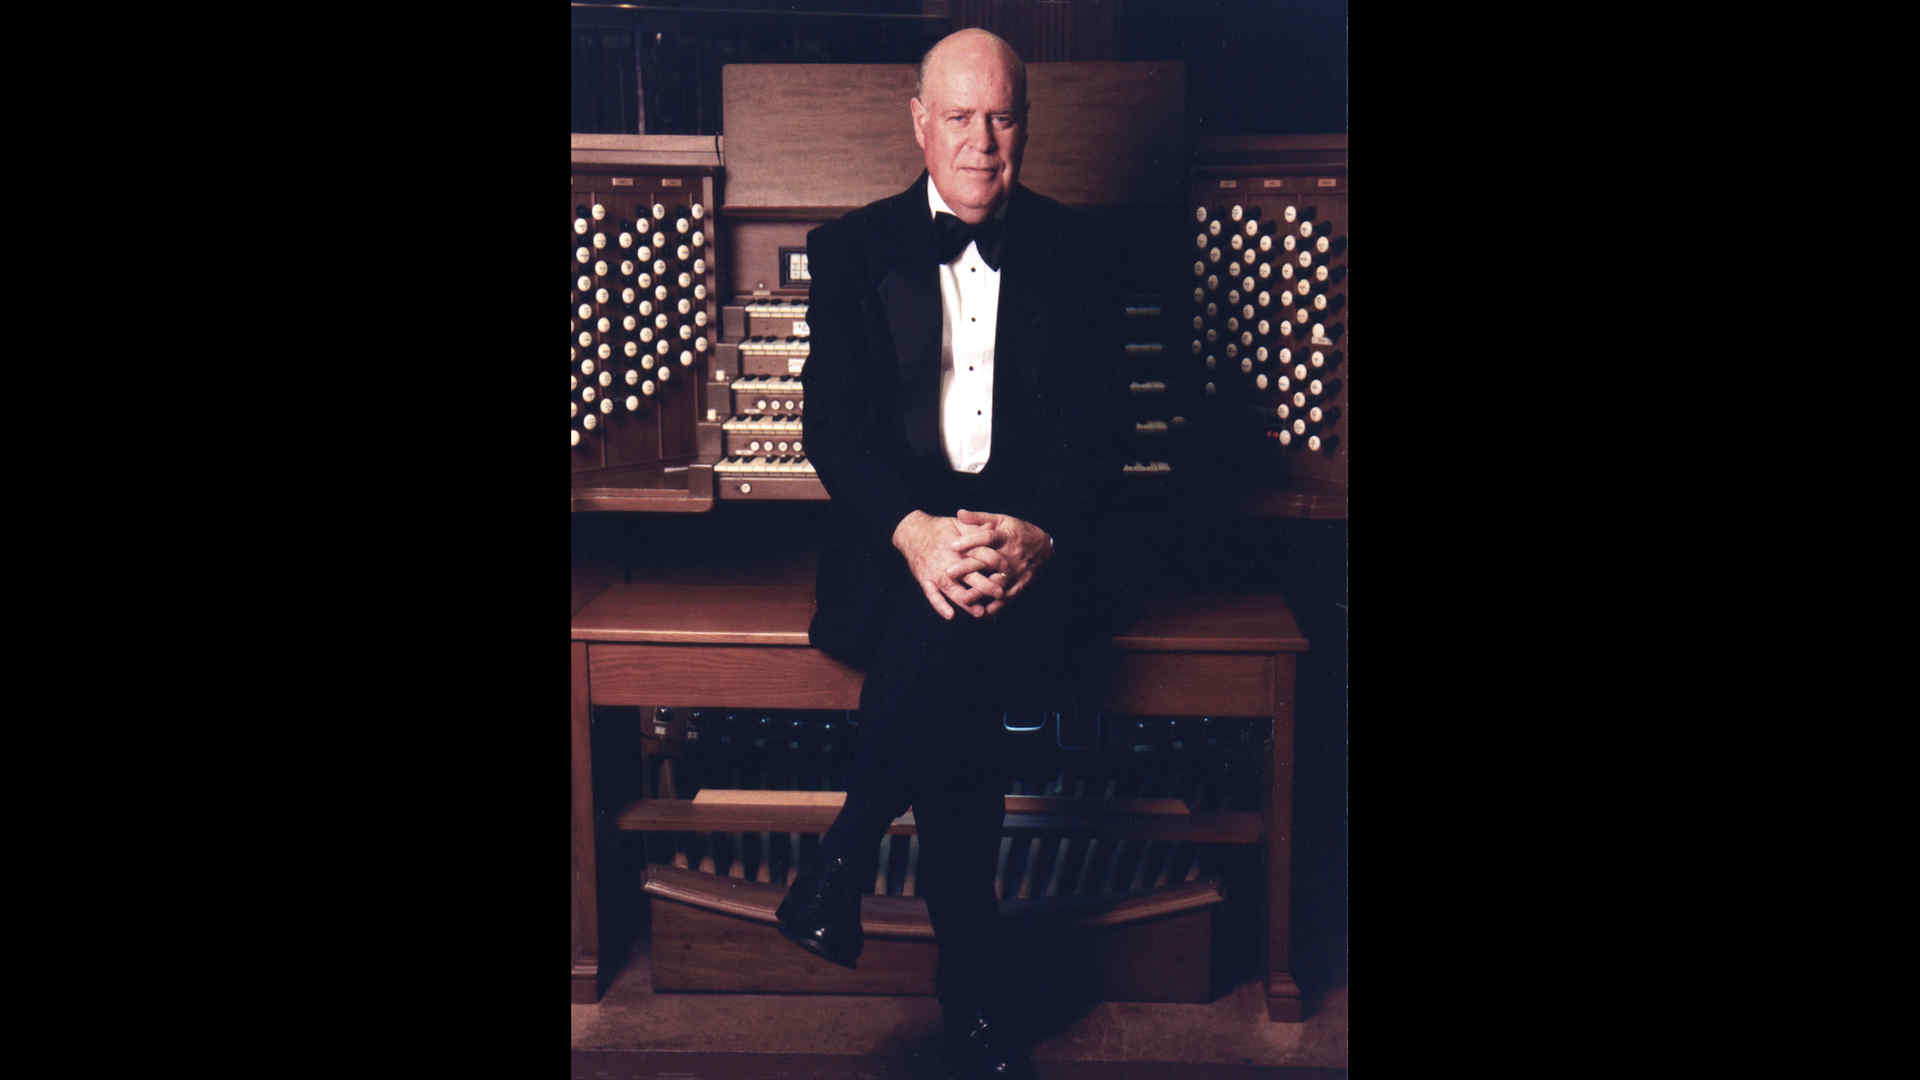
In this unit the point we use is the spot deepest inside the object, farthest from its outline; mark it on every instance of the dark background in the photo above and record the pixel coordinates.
(1276, 68)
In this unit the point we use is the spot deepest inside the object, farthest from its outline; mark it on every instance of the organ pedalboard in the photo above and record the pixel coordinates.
(1208, 764)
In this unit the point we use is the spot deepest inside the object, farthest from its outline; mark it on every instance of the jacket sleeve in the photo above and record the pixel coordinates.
(851, 431)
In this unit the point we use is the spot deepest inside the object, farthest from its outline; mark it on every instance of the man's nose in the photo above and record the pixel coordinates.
(980, 136)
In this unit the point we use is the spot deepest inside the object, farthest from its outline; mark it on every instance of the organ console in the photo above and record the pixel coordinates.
(1290, 195)
(690, 334)
(640, 311)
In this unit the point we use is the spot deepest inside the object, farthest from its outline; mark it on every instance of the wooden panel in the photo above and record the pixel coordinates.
(586, 914)
(745, 676)
(1284, 1001)
(752, 677)
(778, 615)
(1100, 133)
(1246, 622)
(754, 614)
(1220, 684)
(739, 487)
(887, 915)
(1017, 804)
(671, 151)
(1205, 827)
(753, 249)
(641, 488)
(705, 938)
(640, 501)
(817, 134)
(1105, 134)
(697, 949)
(1166, 959)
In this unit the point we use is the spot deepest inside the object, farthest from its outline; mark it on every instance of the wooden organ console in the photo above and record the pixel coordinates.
(706, 734)
(1267, 306)
(643, 264)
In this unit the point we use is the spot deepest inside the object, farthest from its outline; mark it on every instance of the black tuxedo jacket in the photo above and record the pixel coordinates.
(872, 381)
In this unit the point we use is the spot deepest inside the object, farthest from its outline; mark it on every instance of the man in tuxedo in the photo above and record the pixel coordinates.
(963, 335)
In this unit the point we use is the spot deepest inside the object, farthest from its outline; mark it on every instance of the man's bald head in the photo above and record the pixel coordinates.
(970, 119)
(972, 45)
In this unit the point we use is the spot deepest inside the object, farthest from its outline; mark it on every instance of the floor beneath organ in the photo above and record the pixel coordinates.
(633, 1032)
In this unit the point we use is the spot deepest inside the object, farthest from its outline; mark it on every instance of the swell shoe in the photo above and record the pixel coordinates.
(821, 912)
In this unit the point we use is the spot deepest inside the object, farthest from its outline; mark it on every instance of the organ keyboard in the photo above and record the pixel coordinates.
(763, 393)
(766, 476)
(766, 318)
(755, 404)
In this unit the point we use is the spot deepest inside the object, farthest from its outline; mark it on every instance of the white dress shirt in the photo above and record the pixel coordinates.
(969, 314)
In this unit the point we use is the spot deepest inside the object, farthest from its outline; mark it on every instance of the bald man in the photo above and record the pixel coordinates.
(963, 334)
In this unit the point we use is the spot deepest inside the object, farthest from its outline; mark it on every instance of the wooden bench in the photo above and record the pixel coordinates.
(745, 646)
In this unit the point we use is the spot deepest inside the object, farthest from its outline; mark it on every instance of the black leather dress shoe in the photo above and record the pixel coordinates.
(978, 1046)
(821, 912)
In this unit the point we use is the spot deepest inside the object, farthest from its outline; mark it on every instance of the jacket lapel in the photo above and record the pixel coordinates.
(909, 292)
(1019, 337)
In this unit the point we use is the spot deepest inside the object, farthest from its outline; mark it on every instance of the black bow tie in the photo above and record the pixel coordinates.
(951, 236)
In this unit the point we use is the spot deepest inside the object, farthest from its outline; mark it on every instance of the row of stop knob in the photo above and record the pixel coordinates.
(656, 226)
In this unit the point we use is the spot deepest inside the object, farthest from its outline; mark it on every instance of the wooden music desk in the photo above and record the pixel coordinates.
(745, 646)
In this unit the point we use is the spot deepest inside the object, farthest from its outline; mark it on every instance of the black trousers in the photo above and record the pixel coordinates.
(930, 739)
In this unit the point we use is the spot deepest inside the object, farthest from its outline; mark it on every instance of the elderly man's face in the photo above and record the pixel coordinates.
(972, 129)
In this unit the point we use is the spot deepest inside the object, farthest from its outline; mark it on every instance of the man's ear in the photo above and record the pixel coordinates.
(919, 114)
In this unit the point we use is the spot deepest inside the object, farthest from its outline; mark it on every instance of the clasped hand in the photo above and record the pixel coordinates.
(975, 562)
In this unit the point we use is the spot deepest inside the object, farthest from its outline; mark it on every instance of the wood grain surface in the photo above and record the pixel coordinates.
(738, 614)
(1191, 684)
(1164, 958)
(1019, 804)
(839, 135)
(777, 614)
(586, 878)
(1205, 827)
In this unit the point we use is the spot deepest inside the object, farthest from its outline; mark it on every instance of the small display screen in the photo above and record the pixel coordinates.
(793, 266)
